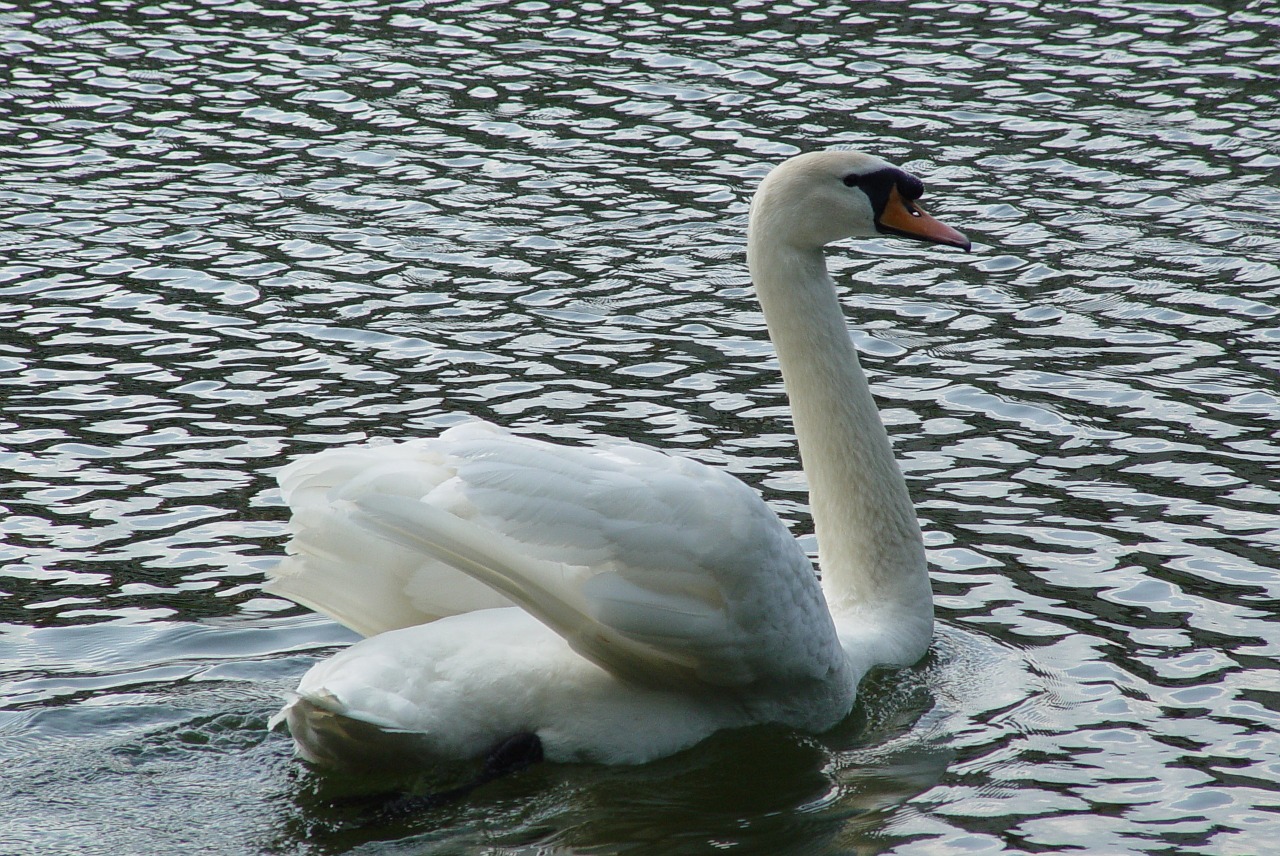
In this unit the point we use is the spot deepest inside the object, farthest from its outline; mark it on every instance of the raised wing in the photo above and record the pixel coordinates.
(658, 568)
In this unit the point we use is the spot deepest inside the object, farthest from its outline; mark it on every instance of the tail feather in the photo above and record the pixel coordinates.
(326, 733)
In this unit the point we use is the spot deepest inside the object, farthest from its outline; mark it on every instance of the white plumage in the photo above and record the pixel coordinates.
(620, 603)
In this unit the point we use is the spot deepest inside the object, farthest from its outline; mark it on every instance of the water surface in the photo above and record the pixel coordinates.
(232, 233)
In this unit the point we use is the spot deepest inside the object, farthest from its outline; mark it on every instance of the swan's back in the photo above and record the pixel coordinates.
(658, 568)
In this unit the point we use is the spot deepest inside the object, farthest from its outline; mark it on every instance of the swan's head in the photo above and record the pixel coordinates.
(814, 199)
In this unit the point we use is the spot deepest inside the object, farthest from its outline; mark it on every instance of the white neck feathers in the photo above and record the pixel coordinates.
(869, 544)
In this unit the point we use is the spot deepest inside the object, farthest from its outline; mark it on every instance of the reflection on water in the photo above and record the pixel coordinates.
(238, 232)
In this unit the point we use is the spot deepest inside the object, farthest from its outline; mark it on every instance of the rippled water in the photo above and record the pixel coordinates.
(236, 232)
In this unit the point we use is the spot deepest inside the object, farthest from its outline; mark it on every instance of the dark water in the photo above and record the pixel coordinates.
(236, 232)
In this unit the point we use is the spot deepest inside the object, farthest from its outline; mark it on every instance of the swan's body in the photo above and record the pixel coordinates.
(618, 603)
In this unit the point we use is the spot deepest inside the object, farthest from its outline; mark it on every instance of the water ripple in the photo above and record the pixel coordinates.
(236, 233)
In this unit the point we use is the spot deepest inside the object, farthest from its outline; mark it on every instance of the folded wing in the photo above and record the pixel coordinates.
(662, 570)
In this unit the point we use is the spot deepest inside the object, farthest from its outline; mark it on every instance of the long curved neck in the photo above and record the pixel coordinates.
(869, 544)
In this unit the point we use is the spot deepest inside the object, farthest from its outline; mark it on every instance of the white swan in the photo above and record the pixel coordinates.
(618, 603)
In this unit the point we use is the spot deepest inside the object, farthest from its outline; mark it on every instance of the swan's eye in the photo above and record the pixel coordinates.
(852, 180)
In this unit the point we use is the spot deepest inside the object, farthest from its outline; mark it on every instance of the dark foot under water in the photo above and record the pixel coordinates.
(512, 755)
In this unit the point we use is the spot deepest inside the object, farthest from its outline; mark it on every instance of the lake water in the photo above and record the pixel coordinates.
(236, 231)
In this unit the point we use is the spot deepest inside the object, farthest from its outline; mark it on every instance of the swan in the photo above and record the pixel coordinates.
(615, 604)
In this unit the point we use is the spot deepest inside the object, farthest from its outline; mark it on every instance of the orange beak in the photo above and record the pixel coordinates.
(909, 220)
